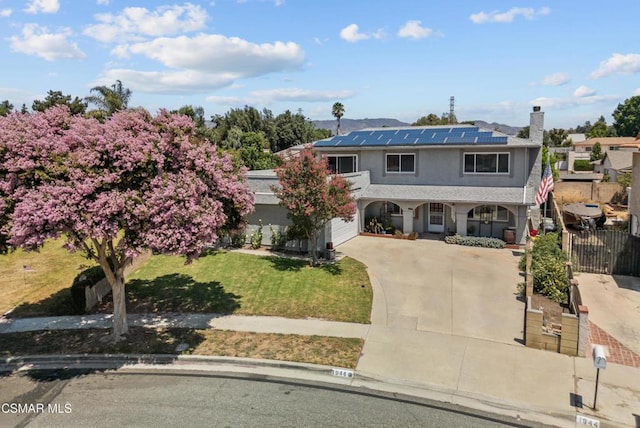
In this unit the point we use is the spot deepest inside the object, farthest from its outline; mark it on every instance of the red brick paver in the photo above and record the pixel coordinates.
(616, 352)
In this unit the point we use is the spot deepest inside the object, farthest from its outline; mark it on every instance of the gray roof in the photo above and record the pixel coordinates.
(619, 159)
(423, 136)
(506, 195)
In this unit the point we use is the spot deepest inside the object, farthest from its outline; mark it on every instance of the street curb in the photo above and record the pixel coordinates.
(311, 373)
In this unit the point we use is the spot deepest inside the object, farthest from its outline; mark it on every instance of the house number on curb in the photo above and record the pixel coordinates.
(583, 420)
(342, 373)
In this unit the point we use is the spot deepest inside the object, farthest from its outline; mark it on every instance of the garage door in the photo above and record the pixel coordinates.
(342, 231)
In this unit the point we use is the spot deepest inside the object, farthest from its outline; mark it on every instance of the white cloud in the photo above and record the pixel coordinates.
(37, 40)
(269, 96)
(137, 23)
(618, 63)
(568, 102)
(297, 94)
(414, 30)
(351, 33)
(4, 13)
(636, 92)
(506, 17)
(214, 53)
(555, 79)
(44, 6)
(103, 2)
(583, 91)
(167, 82)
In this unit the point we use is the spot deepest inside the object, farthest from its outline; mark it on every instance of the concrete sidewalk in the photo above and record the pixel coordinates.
(256, 324)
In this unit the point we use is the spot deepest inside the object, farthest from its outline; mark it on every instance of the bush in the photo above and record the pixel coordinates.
(548, 267)
(582, 165)
(278, 238)
(238, 239)
(255, 239)
(475, 241)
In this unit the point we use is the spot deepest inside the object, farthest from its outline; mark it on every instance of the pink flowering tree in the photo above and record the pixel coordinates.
(313, 195)
(115, 189)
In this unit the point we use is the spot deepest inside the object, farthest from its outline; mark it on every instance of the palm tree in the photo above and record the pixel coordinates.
(337, 111)
(110, 99)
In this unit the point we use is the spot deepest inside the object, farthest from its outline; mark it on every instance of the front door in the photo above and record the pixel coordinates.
(436, 218)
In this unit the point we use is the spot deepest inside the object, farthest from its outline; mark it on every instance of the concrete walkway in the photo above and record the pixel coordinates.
(257, 324)
(459, 365)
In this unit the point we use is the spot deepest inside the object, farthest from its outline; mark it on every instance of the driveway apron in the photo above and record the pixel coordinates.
(437, 287)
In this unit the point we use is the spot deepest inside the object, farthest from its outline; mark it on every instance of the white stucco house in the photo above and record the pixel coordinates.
(430, 180)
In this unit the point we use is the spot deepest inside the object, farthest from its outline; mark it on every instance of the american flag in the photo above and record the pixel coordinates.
(546, 185)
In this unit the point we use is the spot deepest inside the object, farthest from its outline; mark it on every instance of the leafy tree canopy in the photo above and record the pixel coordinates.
(432, 119)
(5, 108)
(54, 98)
(116, 189)
(627, 117)
(313, 196)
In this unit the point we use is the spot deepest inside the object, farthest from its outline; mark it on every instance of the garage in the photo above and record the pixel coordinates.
(341, 231)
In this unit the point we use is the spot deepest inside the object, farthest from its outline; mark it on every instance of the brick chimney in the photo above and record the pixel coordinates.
(536, 125)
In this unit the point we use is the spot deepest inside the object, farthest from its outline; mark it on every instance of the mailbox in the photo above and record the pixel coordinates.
(599, 358)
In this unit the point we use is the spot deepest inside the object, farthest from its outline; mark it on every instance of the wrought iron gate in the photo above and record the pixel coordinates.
(605, 251)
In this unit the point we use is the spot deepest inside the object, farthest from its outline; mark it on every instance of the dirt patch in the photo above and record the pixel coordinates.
(551, 311)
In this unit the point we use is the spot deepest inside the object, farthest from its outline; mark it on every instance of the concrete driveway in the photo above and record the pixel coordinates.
(431, 286)
(614, 305)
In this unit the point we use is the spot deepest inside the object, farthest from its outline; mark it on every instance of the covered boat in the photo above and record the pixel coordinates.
(583, 216)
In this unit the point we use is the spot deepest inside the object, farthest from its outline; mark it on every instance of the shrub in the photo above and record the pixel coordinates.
(398, 234)
(255, 239)
(238, 239)
(413, 236)
(548, 267)
(582, 165)
(475, 241)
(278, 238)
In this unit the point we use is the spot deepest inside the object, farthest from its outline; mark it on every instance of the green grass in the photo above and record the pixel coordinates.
(39, 280)
(231, 282)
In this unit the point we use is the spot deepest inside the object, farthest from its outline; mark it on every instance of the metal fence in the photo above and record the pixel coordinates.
(605, 251)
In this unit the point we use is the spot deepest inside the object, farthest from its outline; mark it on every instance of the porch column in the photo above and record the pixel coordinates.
(407, 220)
(462, 210)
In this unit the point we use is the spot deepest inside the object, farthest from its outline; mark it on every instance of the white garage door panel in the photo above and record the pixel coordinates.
(342, 231)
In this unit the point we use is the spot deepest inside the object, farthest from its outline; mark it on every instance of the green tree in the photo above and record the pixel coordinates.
(254, 152)
(430, 120)
(54, 98)
(195, 113)
(596, 152)
(524, 133)
(337, 111)
(313, 196)
(291, 130)
(109, 99)
(5, 108)
(627, 117)
(558, 137)
(601, 129)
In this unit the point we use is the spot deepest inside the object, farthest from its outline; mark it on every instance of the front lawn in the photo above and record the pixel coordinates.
(232, 282)
(40, 280)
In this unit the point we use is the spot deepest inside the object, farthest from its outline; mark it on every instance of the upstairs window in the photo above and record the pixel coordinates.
(486, 163)
(401, 163)
(342, 164)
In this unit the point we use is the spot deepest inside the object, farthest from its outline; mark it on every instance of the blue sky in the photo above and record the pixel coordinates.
(400, 59)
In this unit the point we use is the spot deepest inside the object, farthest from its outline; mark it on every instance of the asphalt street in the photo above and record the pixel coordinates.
(158, 400)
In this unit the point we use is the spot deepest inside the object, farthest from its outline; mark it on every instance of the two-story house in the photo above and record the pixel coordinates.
(434, 179)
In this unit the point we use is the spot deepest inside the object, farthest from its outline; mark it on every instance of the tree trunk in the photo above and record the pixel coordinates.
(314, 249)
(120, 326)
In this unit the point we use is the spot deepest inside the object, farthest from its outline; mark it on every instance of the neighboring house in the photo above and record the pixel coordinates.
(614, 163)
(582, 150)
(634, 197)
(436, 179)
